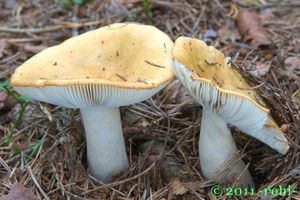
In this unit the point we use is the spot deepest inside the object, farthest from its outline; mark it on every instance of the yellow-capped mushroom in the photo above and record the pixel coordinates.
(226, 98)
(99, 71)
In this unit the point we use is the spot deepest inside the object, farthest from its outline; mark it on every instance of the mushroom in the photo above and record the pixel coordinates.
(98, 72)
(226, 98)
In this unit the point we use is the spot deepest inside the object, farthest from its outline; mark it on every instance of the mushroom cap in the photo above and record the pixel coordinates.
(209, 65)
(206, 74)
(114, 57)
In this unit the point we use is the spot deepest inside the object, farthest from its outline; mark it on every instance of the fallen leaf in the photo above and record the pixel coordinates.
(19, 192)
(261, 69)
(251, 29)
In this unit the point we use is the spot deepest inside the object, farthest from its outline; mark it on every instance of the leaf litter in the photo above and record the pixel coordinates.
(58, 169)
(19, 192)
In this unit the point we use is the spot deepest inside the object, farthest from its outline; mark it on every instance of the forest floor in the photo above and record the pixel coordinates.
(46, 151)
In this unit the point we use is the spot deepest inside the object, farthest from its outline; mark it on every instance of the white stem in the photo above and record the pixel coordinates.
(216, 148)
(105, 143)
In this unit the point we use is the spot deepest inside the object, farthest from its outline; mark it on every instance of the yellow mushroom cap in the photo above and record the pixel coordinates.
(206, 74)
(122, 57)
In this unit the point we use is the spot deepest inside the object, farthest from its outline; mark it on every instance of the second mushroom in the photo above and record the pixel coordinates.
(226, 98)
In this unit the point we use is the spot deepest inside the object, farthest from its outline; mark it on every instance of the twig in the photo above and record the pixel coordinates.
(31, 30)
(37, 184)
(21, 40)
(49, 28)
